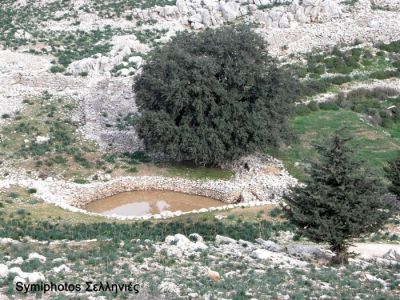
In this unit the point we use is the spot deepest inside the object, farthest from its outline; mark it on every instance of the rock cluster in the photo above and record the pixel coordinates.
(282, 256)
(20, 276)
(271, 13)
(123, 47)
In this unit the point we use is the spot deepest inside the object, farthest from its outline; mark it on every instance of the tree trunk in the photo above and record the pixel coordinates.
(341, 256)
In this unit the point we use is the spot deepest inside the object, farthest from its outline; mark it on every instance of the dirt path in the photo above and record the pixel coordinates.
(369, 250)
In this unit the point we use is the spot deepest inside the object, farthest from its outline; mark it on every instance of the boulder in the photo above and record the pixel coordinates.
(22, 276)
(19, 279)
(181, 6)
(195, 237)
(279, 259)
(168, 287)
(270, 245)
(179, 245)
(137, 60)
(34, 255)
(229, 10)
(62, 268)
(284, 21)
(392, 255)
(3, 271)
(205, 17)
(220, 239)
(305, 251)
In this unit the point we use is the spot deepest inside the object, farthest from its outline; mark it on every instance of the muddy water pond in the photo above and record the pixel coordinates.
(140, 203)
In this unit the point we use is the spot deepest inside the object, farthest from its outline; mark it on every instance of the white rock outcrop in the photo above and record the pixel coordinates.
(280, 14)
(34, 255)
(3, 271)
(179, 245)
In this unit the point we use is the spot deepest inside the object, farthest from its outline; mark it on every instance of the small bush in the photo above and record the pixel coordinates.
(391, 47)
(13, 195)
(302, 109)
(313, 105)
(328, 106)
(32, 191)
(339, 80)
(80, 180)
(57, 69)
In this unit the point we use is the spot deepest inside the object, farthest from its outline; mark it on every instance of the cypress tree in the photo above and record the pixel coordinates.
(340, 200)
(393, 174)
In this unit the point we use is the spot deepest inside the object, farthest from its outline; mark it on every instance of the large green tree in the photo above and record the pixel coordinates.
(393, 174)
(213, 96)
(340, 200)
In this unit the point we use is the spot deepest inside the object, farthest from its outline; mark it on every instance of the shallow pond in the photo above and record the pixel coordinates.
(140, 203)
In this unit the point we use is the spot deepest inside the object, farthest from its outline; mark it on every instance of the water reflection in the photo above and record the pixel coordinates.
(140, 203)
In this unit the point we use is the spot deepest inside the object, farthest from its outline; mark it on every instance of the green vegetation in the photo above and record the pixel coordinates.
(393, 174)
(326, 71)
(373, 142)
(42, 137)
(274, 4)
(214, 96)
(379, 106)
(188, 170)
(113, 261)
(391, 47)
(341, 199)
(116, 8)
(61, 224)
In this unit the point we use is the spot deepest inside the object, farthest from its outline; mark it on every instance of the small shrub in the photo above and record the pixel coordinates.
(391, 47)
(80, 180)
(339, 80)
(57, 69)
(32, 191)
(275, 212)
(13, 195)
(302, 109)
(329, 105)
(313, 105)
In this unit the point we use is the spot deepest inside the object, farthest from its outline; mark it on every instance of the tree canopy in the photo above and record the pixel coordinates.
(393, 174)
(213, 96)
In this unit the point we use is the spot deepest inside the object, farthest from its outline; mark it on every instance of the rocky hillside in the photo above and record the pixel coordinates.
(189, 268)
(67, 112)
(91, 50)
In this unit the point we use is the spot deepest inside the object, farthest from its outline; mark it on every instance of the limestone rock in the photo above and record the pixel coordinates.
(304, 251)
(179, 245)
(220, 239)
(61, 268)
(279, 259)
(270, 245)
(229, 10)
(169, 288)
(3, 271)
(34, 255)
(392, 255)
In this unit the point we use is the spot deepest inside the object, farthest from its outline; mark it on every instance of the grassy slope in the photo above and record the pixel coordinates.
(373, 143)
